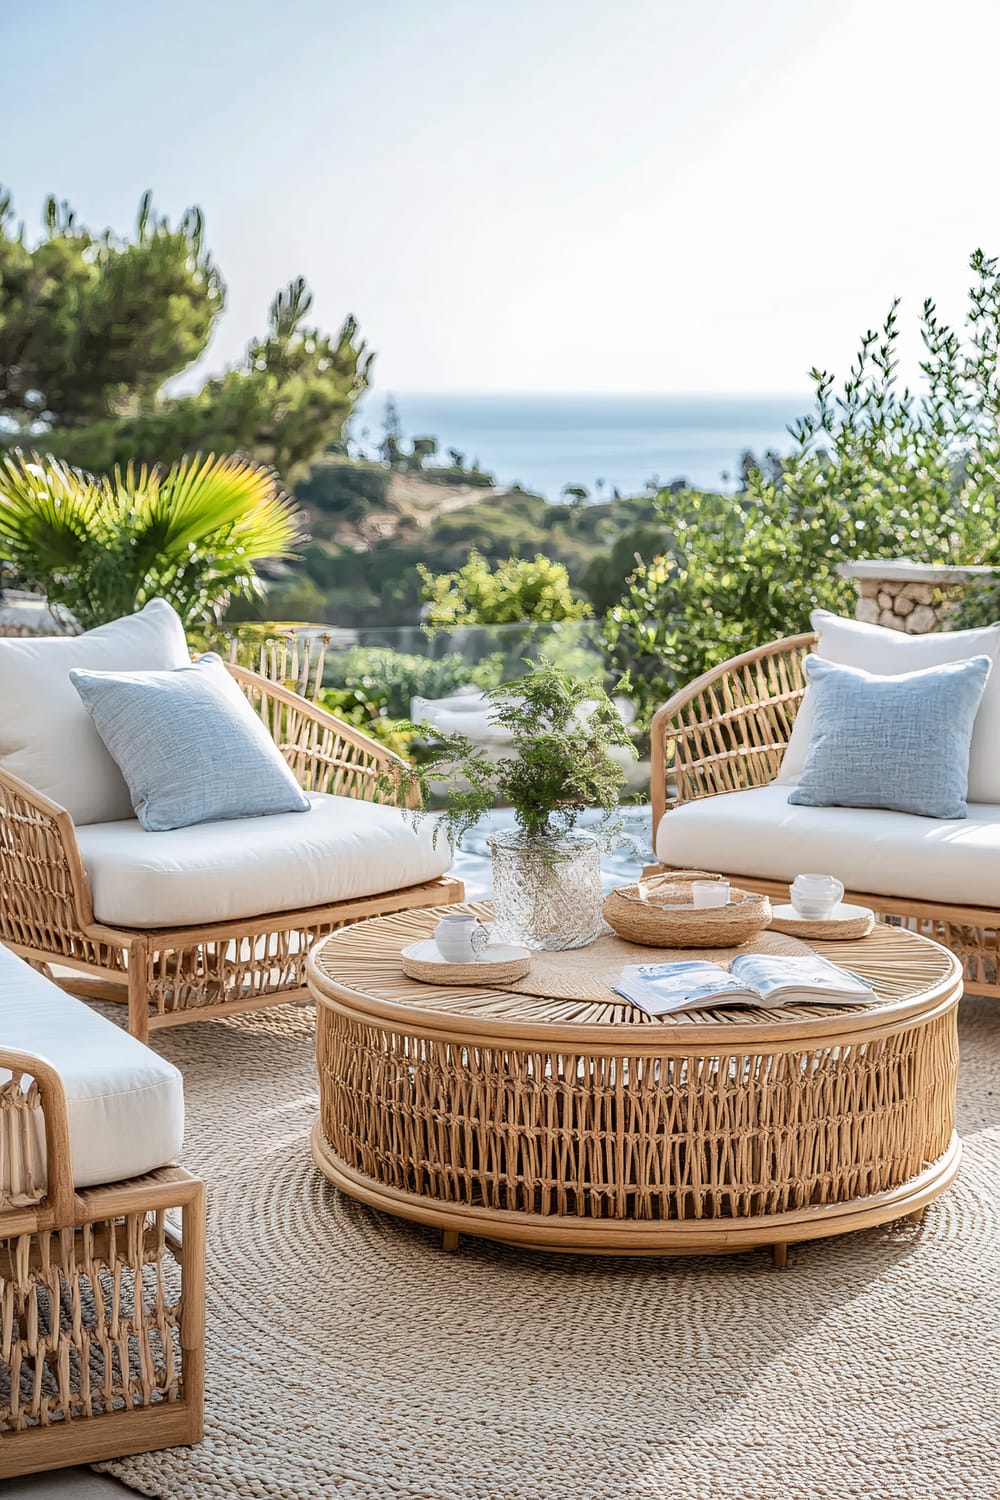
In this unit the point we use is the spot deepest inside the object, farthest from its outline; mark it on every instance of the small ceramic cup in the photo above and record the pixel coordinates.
(706, 893)
(816, 897)
(460, 937)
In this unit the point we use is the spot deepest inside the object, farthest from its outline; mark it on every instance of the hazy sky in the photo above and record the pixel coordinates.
(560, 195)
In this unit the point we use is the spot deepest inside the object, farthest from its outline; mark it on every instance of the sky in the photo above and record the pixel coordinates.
(539, 195)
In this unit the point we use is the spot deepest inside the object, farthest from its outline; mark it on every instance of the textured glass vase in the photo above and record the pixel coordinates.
(546, 891)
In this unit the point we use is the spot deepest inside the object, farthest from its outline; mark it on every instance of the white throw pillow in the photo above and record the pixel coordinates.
(874, 648)
(47, 737)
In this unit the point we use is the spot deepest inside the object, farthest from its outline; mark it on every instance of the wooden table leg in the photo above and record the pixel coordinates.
(779, 1257)
(449, 1239)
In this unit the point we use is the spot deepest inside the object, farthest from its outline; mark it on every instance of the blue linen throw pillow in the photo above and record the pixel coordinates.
(899, 742)
(190, 747)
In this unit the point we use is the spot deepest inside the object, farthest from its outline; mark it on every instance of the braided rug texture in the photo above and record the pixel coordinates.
(349, 1357)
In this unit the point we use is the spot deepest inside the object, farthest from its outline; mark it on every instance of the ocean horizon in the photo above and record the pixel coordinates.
(625, 442)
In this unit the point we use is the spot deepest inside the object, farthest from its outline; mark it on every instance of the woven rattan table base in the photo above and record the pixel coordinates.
(578, 1123)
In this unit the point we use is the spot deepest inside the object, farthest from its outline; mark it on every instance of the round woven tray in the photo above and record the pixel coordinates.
(659, 912)
(483, 971)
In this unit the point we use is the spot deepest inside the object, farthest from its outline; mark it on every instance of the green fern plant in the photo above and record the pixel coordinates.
(101, 547)
(562, 730)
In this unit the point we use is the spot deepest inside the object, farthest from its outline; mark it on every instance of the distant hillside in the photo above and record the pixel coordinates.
(354, 504)
(369, 526)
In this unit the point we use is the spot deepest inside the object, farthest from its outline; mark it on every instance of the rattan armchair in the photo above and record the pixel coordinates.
(171, 976)
(728, 731)
(102, 1338)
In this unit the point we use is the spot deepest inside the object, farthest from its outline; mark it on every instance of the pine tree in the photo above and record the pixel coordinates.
(92, 327)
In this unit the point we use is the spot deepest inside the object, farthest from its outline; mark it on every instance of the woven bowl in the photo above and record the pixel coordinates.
(658, 914)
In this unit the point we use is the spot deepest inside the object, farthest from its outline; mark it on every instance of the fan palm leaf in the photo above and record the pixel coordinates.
(102, 546)
(47, 513)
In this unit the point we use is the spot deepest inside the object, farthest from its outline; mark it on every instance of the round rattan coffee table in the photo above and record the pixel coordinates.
(569, 1120)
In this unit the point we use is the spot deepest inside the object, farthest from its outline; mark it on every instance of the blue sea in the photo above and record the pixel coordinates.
(544, 442)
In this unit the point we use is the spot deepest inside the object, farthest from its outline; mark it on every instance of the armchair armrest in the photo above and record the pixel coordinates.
(730, 727)
(46, 895)
(324, 753)
(46, 1195)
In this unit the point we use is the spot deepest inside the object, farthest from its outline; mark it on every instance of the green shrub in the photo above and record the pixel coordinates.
(386, 680)
(876, 472)
(978, 605)
(607, 573)
(299, 599)
(516, 590)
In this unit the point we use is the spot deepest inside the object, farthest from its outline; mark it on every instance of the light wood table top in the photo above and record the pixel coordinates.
(568, 991)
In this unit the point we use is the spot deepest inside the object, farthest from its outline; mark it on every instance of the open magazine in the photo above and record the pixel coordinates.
(752, 979)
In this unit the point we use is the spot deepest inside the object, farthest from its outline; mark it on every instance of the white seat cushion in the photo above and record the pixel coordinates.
(125, 1104)
(214, 872)
(883, 853)
(47, 737)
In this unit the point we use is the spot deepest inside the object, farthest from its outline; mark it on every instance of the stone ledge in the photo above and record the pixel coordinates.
(900, 570)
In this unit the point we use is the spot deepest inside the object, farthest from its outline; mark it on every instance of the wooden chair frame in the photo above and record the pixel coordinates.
(728, 730)
(102, 1334)
(171, 976)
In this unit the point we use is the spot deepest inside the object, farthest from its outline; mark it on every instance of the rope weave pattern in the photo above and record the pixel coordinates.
(321, 759)
(37, 881)
(733, 734)
(683, 1136)
(88, 1322)
(22, 1167)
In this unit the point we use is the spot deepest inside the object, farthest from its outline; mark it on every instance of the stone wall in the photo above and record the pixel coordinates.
(900, 606)
(909, 596)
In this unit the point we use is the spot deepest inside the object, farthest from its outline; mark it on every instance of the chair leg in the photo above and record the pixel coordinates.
(193, 1311)
(138, 992)
(779, 1257)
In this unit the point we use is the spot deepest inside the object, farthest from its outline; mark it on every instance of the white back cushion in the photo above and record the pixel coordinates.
(874, 648)
(47, 737)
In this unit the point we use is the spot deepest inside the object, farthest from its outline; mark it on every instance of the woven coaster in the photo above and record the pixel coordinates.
(587, 973)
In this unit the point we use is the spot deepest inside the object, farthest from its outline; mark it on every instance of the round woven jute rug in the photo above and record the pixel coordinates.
(348, 1356)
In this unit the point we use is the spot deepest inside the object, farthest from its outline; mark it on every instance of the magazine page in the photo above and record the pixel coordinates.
(659, 989)
(810, 977)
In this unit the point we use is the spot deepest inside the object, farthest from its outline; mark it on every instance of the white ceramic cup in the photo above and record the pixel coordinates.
(460, 937)
(706, 893)
(816, 896)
